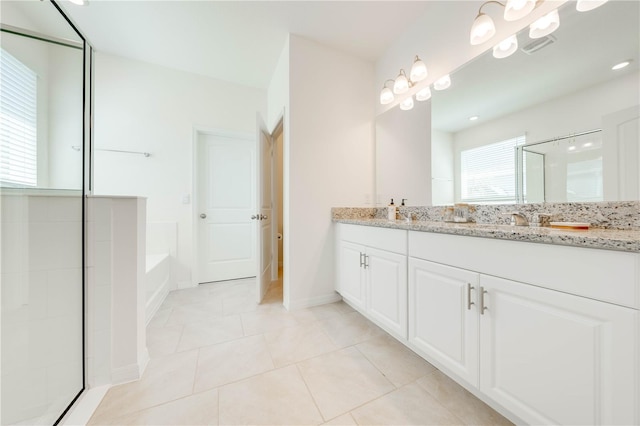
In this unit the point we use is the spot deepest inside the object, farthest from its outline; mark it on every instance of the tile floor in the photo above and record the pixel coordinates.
(218, 358)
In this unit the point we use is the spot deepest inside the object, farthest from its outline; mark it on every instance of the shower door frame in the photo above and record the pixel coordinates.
(87, 144)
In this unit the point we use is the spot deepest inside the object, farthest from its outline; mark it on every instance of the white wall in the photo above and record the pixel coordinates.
(328, 152)
(403, 152)
(144, 107)
(442, 168)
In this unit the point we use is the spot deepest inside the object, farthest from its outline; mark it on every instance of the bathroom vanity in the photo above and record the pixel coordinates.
(546, 333)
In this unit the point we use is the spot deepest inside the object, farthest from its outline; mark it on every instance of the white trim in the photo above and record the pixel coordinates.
(85, 406)
(314, 301)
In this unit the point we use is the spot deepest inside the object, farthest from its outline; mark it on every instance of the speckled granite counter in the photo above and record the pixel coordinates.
(598, 238)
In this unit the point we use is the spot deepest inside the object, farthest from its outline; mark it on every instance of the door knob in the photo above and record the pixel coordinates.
(202, 215)
(254, 217)
(263, 217)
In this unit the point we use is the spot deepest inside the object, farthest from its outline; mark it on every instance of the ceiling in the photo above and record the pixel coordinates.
(238, 41)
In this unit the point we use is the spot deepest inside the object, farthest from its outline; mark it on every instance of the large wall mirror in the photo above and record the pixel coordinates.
(552, 122)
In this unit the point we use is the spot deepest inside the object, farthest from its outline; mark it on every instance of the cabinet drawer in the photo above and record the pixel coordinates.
(393, 240)
(605, 275)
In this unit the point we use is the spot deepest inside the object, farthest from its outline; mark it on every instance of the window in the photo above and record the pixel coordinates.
(18, 125)
(488, 173)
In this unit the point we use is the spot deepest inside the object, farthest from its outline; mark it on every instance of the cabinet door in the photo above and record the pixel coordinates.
(350, 274)
(551, 357)
(443, 316)
(387, 290)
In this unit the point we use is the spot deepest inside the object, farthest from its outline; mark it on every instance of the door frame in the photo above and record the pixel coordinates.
(195, 149)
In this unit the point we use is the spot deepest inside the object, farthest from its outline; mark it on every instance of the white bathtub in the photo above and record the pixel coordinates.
(157, 282)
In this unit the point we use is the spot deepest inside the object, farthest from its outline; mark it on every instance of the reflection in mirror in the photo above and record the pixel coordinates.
(564, 88)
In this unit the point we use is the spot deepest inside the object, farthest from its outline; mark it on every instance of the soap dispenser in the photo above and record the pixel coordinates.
(391, 211)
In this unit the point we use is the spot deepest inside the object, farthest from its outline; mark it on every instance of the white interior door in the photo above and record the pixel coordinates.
(226, 201)
(263, 217)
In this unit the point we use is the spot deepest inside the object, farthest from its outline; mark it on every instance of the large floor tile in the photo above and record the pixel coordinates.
(398, 363)
(160, 317)
(196, 409)
(316, 313)
(232, 361)
(343, 420)
(195, 312)
(279, 397)
(163, 341)
(409, 405)
(165, 379)
(343, 380)
(292, 344)
(263, 321)
(200, 334)
(350, 329)
(459, 401)
(185, 297)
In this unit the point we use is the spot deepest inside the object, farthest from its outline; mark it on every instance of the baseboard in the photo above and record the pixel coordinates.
(314, 301)
(85, 406)
(128, 373)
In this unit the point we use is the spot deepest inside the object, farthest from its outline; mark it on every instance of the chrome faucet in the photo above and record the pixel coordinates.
(517, 219)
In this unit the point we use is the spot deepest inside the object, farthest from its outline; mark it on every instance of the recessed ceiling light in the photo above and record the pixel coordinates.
(587, 145)
(474, 118)
(572, 148)
(621, 65)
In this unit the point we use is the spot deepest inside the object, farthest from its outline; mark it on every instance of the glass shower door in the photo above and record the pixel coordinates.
(42, 69)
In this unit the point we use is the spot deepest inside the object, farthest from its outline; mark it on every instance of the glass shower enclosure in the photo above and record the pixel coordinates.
(45, 121)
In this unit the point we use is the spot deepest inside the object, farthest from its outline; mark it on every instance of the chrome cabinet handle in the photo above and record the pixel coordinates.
(469, 302)
(361, 259)
(366, 261)
(203, 216)
(482, 307)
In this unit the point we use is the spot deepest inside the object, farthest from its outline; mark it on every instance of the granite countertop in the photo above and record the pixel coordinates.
(606, 239)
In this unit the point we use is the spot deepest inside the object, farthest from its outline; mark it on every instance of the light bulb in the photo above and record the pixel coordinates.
(401, 84)
(423, 94)
(621, 65)
(545, 25)
(517, 9)
(442, 83)
(587, 5)
(418, 71)
(506, 47)
(482, 29)
(79, 2)
(407, 104)
(386, 96)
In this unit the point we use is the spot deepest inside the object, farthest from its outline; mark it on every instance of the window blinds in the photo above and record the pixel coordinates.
(488, 173)
(18, 123)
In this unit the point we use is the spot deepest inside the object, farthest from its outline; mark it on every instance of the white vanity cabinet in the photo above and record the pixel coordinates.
(533, 343)
(443, 320)
(556, 358)
(371, 267)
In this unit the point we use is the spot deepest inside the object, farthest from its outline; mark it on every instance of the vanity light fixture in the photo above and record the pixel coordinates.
(621, 65)
(402, 84)
(506, 47)
(587, 5)
(418, 71)
(423, 94)
(442, 83)
(407, 104)
(517, 9)
(483, 27)
(545, 25)
(386, 95)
